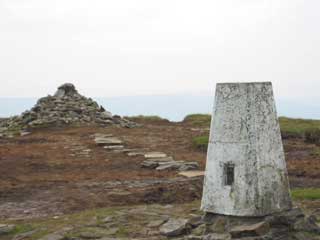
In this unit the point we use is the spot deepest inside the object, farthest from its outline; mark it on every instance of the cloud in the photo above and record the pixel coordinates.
(127, 47)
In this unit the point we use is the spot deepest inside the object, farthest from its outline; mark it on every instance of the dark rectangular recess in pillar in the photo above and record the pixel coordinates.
(228, 174)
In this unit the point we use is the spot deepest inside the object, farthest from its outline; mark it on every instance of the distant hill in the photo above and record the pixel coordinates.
(172, 107)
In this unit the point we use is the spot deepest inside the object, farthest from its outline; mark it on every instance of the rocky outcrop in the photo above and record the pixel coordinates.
(289, 225)
(65, 107)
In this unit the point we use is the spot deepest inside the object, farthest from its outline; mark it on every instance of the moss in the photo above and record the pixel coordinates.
(306, 194)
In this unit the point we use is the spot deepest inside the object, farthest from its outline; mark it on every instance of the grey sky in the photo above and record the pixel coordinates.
(127, 47)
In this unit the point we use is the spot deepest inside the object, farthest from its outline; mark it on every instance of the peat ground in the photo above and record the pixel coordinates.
(61, 170)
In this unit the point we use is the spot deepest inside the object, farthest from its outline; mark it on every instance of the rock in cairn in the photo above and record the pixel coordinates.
(66, 106)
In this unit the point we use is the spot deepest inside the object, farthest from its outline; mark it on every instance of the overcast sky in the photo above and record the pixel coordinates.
(143, 47)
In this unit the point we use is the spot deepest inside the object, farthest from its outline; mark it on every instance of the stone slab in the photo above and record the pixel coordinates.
(108, 141)
(253, 230)
(155, 155)
(191, 174)
(114, 147)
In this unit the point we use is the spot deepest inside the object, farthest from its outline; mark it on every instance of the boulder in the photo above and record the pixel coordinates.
(253, 230)
(217, 236)
(156, 223)
(199, 231)
(195, 221)
(174, 227)
(287, 218)
(219, 225)
(67, 89)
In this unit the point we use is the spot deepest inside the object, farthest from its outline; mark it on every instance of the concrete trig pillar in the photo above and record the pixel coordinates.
(246, 171)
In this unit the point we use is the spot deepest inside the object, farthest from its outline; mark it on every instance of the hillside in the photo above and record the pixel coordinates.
(54, 177)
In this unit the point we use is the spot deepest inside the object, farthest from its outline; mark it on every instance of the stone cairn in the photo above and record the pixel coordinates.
(65, 107)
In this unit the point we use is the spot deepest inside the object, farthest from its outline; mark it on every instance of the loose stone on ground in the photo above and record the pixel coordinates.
(114, 147)
(191, 174)
(160, 161)
(174, 227)
(253, 230)
(103, 141)
(151, 155)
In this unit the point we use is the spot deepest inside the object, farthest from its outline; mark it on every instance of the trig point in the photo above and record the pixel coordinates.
(246, 171)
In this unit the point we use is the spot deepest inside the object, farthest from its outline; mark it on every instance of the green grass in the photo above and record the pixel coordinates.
(199, 120)
(306, 194)
(201, 142)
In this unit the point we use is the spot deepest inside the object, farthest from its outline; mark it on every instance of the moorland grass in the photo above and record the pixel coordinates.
(290, 128)
(201, 142)
(198, 120)
(306, 194)
(295, 127)
(146, 118)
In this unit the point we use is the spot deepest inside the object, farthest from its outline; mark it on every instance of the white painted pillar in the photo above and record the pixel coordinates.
(246, 171)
